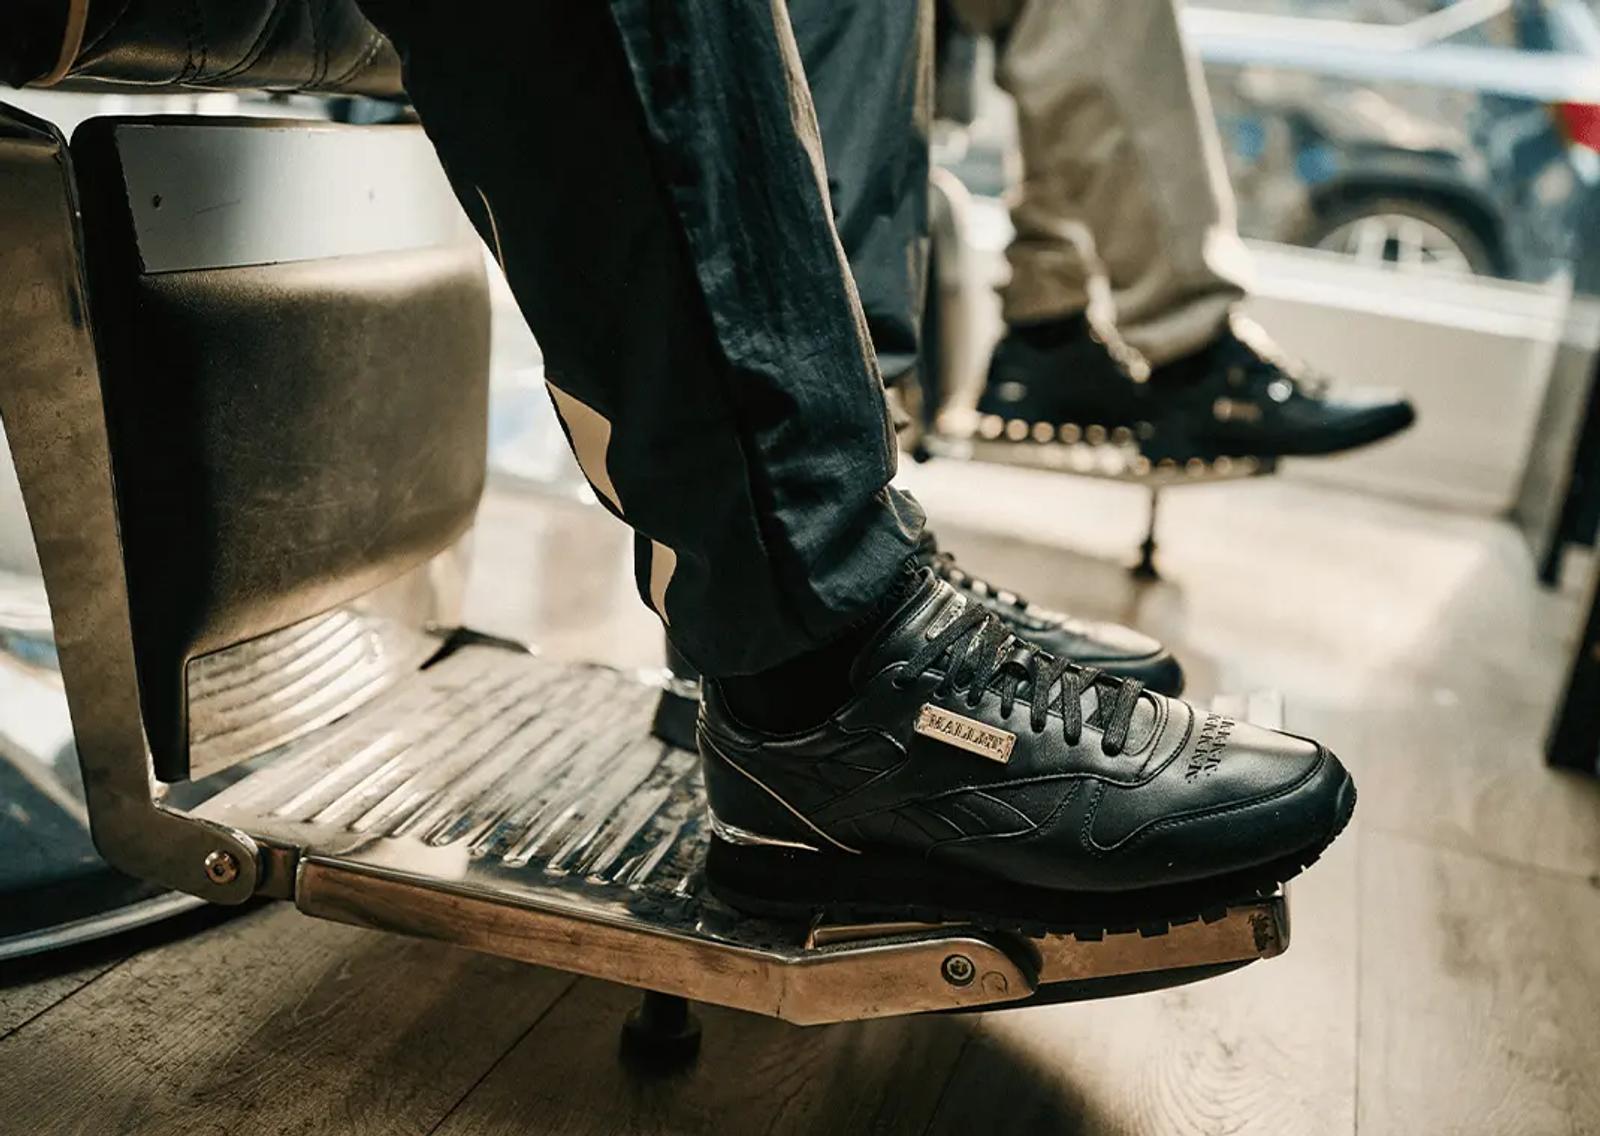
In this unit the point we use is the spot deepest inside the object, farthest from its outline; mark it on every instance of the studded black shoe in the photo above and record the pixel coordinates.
(1052, 383)
(1119, 651)
(1237, 400)
(974, 777)
(1240, 395)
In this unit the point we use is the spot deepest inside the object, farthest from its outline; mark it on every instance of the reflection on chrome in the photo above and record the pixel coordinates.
(266, 692)
(258, 695)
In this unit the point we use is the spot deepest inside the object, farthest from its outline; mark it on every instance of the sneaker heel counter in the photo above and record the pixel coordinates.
(743, 809)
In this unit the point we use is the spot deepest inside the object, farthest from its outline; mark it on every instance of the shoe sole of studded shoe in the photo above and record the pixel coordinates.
(1172, 445)
(1165, 450)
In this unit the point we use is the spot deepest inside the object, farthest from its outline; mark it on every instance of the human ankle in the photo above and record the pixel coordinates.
(1051, 332)
(804, 691)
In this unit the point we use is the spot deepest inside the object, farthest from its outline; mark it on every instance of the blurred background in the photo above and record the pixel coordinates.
(1420, 184)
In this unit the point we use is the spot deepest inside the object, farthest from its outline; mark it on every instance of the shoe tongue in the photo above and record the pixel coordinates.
(929, 603)
(929, 607)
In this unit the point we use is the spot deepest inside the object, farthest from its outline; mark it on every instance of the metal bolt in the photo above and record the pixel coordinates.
(221, 867)
(958, 970)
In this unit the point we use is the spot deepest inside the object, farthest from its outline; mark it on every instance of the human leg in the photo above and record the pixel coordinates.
(1121, 157)
(1121, 169)
(649, 178)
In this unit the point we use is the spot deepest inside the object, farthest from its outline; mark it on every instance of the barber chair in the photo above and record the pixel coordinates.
(245, 391)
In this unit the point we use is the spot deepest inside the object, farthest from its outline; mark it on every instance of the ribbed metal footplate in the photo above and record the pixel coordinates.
(497, 760)
(520, 807)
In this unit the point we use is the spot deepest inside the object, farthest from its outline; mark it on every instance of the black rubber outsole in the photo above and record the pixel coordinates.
(791, 884)
(1173, 445)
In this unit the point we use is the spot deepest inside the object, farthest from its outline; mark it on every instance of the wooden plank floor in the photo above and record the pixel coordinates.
(1444, 975)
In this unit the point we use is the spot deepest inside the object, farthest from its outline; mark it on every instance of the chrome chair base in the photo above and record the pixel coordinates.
(55, 890)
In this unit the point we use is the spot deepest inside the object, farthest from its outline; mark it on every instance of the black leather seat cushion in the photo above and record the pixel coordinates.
(282, 45)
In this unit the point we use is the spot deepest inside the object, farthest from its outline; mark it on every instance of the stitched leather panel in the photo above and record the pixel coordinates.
(281, 45)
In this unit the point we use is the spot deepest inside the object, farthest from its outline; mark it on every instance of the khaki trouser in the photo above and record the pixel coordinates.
(1121, 166)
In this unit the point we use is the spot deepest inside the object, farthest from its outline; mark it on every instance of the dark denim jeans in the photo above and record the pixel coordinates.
(650, 176)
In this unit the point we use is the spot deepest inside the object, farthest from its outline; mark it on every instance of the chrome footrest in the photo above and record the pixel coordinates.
(519, 807)
(1095, 455)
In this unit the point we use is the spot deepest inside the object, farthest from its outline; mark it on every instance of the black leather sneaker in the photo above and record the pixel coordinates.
(1238, 397)
(974, 777)
(1241, 396)
(1062, 376)
(1118, 651)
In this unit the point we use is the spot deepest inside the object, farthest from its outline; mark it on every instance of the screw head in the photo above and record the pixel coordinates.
(221, 867)
(958, 970)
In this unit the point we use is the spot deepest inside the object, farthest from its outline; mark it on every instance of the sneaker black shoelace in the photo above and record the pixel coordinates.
(983, 655)
(1263, 362)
